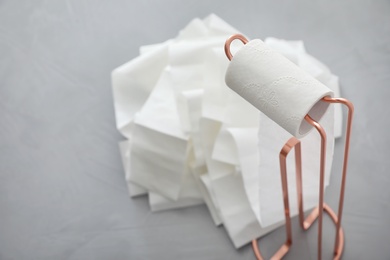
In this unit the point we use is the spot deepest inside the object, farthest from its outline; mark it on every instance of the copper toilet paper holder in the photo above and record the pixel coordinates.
(317, 213)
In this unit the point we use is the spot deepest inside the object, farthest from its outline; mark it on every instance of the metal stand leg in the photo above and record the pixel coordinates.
(322, 207)
(337, 249)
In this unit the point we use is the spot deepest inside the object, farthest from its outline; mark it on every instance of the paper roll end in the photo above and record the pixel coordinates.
(277, 87)
(316, 112)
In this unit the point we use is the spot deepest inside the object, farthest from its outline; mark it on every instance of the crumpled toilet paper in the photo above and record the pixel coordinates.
(192, 140)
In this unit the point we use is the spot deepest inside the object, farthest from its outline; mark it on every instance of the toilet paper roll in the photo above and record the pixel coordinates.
(277, 87)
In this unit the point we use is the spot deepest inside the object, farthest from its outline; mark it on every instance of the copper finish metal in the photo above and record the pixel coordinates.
(229, 41)
(296, 144)
(349, 105)
(322, 207)
(322, 133)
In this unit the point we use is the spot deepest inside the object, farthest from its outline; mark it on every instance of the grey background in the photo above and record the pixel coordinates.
(62, 189)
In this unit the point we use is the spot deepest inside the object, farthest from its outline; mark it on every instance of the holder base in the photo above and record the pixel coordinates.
(283, 250)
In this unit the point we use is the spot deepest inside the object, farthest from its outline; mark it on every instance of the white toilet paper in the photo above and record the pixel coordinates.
(277, 87)
(125, 150)
(173, 106)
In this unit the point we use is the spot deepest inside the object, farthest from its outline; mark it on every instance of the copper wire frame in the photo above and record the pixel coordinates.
(322, 207)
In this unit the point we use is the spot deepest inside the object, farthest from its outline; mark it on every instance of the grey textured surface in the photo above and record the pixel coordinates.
(62, 189)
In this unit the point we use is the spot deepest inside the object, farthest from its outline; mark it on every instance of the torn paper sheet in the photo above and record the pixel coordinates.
(191, 139)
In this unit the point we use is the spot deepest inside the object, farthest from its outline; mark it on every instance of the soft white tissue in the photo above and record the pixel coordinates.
(191, 139)
(277, 87)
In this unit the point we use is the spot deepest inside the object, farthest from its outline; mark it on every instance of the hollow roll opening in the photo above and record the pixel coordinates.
(316, 112)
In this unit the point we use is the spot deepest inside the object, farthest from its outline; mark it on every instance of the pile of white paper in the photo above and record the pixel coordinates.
(191, 140)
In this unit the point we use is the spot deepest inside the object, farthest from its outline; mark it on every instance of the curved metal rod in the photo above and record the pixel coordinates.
(229, 41)
(296, 144)
(289, 145)
(349, 105)
(322, 133)
(313, 216)
(306, 224)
